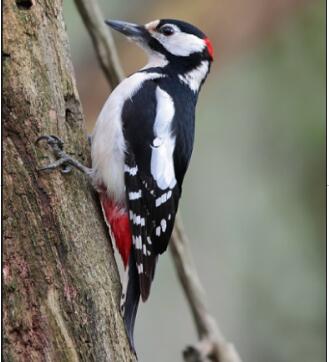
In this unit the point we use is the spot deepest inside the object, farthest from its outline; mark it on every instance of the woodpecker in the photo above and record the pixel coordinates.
(142, 144)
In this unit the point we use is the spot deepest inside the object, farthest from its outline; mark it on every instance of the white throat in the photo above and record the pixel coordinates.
(155, 60)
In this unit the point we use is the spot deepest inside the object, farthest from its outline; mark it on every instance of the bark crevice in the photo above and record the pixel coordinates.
(61, 283)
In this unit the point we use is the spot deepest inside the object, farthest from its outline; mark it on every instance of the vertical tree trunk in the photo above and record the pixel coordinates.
(61, 285)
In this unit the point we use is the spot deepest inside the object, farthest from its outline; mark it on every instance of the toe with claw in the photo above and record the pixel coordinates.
(57, 146)
(64, 161)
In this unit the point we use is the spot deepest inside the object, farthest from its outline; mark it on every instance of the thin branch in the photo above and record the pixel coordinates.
(212, 346)
(102, 40)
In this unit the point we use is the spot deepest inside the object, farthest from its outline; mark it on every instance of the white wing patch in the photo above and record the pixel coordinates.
(162, 164)
(108, 144)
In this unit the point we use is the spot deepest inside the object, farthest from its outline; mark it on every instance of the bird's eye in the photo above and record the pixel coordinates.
(167, 30)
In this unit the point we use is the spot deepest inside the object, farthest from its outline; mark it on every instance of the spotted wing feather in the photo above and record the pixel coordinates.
(151, 187)
(144, 253)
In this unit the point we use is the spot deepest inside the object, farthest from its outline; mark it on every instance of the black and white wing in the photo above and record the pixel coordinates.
(151, 186)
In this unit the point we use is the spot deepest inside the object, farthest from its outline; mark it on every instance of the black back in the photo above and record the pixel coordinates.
(138, 117)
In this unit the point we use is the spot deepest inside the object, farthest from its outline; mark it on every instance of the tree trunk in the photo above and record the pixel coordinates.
(61, 284)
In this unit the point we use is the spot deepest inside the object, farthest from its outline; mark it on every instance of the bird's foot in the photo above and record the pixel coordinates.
(63, 160)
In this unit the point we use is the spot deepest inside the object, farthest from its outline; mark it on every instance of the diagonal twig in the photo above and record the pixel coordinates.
(212, 345)
(102, 40)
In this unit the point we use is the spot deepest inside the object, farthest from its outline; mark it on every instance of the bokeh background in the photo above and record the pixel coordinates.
(254, 196)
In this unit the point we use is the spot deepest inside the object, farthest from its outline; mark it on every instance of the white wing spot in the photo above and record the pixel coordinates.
(158, 231)
(140, 268)
(137, 219)
(135, 195)
(138, 242)
(163, 198)
(163, 225)
(131, 170)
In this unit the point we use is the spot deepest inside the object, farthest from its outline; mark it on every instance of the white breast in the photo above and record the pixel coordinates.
(108, 144)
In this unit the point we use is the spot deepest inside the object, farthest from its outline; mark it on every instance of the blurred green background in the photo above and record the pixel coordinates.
(254, 196)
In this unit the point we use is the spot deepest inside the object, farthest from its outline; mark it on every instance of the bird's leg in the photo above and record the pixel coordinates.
(63, 160)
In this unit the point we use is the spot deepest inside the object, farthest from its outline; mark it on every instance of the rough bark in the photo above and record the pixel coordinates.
(61, 284)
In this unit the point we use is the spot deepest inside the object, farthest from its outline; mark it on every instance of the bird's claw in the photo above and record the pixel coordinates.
(52, 141)
(66, 168)
(57, 145)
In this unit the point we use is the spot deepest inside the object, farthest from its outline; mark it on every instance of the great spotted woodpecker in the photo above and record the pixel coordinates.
(142, 144)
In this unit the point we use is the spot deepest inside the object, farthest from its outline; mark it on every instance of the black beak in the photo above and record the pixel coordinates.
(130, 30)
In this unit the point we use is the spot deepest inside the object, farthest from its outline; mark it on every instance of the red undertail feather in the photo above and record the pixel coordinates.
(118, 220)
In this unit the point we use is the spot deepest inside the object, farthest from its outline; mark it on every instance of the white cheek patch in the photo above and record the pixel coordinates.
(181, 44)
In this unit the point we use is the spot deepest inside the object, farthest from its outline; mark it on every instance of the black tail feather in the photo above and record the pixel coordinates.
(132, 300)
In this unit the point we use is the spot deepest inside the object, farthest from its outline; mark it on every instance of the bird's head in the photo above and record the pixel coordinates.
(169, 41)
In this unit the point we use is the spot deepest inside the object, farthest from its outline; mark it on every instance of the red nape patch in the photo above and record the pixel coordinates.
(118, 220)
(210, 48)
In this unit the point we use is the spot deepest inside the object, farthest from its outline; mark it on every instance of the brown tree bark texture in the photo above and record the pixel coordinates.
(61, 284)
